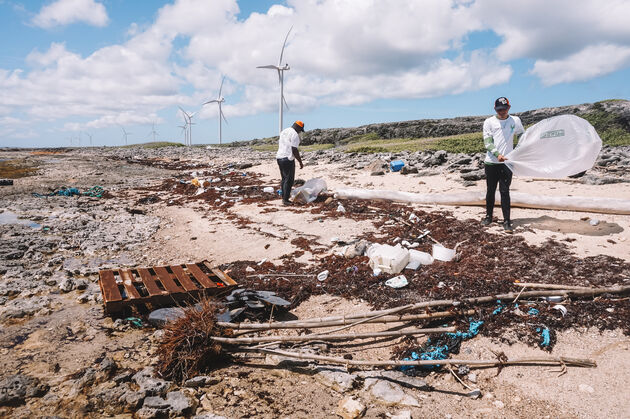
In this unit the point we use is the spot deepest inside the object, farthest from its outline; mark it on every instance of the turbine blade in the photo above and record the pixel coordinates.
(221, 87)
(271, 66)
(211, 101)
(224, 118)
(285, 102)
(284, 45)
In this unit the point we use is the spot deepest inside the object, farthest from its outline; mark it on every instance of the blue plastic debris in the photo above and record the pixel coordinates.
(533, 312)
(500, 308)
(438, 352)
(396, 165)
(546, 336)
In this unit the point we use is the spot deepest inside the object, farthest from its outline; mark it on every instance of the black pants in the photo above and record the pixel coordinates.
(498, 173)
(287, 171)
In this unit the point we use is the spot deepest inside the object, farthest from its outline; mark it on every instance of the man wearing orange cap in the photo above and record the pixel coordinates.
(286, 156)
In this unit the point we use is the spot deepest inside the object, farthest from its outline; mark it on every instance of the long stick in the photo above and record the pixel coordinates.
(552, 286)
(350, 336)
(563, 361)
(308, 324)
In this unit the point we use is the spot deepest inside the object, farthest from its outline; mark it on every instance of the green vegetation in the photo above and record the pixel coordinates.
(610, 129)
(306, 148)
(463, 143)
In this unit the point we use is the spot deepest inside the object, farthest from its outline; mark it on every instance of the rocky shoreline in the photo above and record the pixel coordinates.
(61, 355)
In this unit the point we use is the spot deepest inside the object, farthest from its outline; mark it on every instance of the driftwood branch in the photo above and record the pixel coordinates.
(475, 363)
(551, 286)
(344, 337)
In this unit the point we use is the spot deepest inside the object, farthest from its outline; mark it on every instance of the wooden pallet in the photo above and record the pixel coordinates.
(160, 285)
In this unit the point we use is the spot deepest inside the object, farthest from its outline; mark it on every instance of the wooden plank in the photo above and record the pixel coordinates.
(127, 278)
(166, 279)
(200, 276)
(149, 283)
(183, 278)
(223, 276)
(109, 287)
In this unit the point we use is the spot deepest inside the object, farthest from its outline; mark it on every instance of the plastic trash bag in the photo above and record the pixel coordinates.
(556, 147)
(309, 191)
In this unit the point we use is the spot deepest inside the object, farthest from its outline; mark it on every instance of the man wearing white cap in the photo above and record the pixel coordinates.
(287, 154)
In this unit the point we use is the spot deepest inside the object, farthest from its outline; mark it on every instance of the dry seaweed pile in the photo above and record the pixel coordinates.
(170, 164)
(218, 189)
(489, 264)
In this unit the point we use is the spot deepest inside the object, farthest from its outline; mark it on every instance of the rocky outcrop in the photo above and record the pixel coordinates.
(603, 115)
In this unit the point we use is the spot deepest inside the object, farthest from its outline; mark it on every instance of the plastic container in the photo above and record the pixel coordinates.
(421, 257)
(388, 259)
(443, 253)
(396, 165)
(268, 189)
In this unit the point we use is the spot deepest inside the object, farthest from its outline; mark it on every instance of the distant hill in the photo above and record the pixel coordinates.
(611, 119)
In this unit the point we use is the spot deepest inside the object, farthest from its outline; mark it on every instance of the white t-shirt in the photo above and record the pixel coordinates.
(502, 132)
(288, 138)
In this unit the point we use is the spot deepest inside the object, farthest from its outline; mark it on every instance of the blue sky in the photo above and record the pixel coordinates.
(71, 70)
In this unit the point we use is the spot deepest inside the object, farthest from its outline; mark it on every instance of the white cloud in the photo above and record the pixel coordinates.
(541, 29)
(347, 52)
(64, 12)
(591, 62)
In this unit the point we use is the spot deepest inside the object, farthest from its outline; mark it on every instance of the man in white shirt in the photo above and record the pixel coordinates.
(287, 154)
(498, 137)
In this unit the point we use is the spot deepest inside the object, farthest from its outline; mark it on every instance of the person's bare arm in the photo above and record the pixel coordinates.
(296, 154)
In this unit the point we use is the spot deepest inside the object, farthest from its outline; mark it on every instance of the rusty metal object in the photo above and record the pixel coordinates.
(160, 285)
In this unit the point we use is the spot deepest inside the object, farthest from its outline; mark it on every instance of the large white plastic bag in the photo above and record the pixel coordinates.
(556, 147)
(309, 191)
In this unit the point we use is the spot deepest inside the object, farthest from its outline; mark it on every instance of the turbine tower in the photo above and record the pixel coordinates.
(125, 134)
(220, 99)
(281, 69)
(188, 118)
(153, 132)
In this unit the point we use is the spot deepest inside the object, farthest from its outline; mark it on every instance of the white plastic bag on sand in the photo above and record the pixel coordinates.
(556, 147)
(309, 191)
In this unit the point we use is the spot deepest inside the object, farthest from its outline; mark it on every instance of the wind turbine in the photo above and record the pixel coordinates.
(125, 134)
(153, 132)
(184, 131)
(220, 99)
(281, 69)
(90, 137)
(188, 118)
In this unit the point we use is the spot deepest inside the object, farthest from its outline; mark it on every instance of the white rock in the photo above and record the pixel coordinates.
(350, 408)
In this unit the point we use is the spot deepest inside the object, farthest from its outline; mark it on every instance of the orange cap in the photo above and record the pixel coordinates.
(300, 123)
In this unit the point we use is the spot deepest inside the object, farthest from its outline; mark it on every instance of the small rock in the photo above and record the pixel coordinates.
(336, 379)
(67, 284)
(392, 394)
(403, 414)
(160, 317)
(475, 394)
(350, 408)
(153, 386)
(199, 381)
(472, 377)
(499, 404)
(377, 173)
